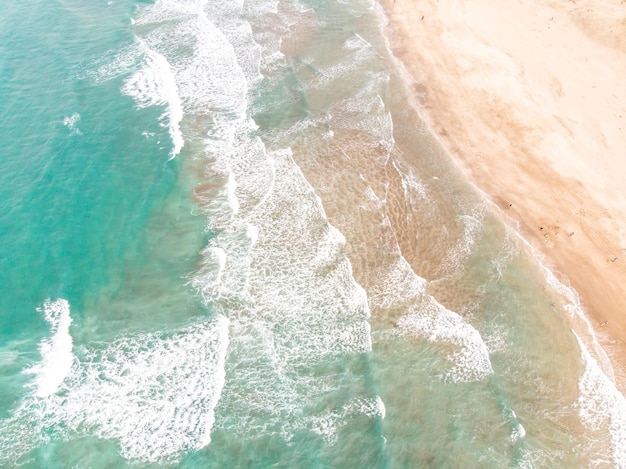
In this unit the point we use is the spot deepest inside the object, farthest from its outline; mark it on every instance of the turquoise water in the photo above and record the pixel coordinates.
(228, 240)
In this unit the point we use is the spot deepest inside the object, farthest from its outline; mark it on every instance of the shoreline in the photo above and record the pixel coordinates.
(527, 99)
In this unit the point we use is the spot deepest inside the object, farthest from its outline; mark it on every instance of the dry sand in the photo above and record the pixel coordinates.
(530, 98)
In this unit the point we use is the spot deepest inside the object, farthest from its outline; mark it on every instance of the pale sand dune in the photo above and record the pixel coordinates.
(530, 98)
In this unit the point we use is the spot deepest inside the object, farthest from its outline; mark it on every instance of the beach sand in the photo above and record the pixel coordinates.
(529, 98)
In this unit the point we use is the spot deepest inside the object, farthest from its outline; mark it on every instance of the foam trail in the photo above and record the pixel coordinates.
(70, 123)
(602, 405)
(410, 186)
(401, 288)
(575, 310)
(471, 361)
(429, 319)
(153, 393)
(573, 307)
(294, 305)
(208, 77)
(274, 265)
(518, 431)
(56, 352)
(231, 188)
(327, 424)
(158, 393)
(472, 223)
(381, 407)
(155, 84)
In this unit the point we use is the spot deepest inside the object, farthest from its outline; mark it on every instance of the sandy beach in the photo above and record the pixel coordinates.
(529, 98)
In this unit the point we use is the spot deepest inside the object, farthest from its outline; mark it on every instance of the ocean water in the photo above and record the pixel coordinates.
(227, 239)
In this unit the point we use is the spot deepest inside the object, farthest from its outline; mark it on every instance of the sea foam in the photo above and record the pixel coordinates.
(56, 351)
(154, 84)
(426, 318)
(470, 361)
(297, 309)
(153, 393)
(601, 405)
(274, 265)
(472, 227)
(70, 122)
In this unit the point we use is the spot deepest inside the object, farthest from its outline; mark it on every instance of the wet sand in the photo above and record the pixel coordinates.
(529, 99)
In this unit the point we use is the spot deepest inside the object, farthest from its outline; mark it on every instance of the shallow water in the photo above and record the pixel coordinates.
(228, 240)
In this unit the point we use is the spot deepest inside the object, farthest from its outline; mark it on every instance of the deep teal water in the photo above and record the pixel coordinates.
(75, 201)
(87, 202)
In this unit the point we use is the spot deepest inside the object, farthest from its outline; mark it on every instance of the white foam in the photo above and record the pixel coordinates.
(411, 187)
(155, 84)
(298, 305)
(227, 17)
(152, 82)
(366, 112)
(362, 109)
(274, 264)
(231, 187)
(601, 405)
(253, 233)
(70, 123)
(153, 393)
(428, 319)
(370, 195)
(510, 248)
(381, 407)
(214, 262)
(518, 432)
(113, 64)
(208, 77)
(472, 224)
(188, 64)
(56, 351)
(470, 362)
(572, 306)
(163, 11)
(358, 55)
(575, 309)
(328, 423)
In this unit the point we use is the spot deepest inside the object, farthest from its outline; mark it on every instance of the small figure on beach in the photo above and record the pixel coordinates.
(605, 323)
(614, 259)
